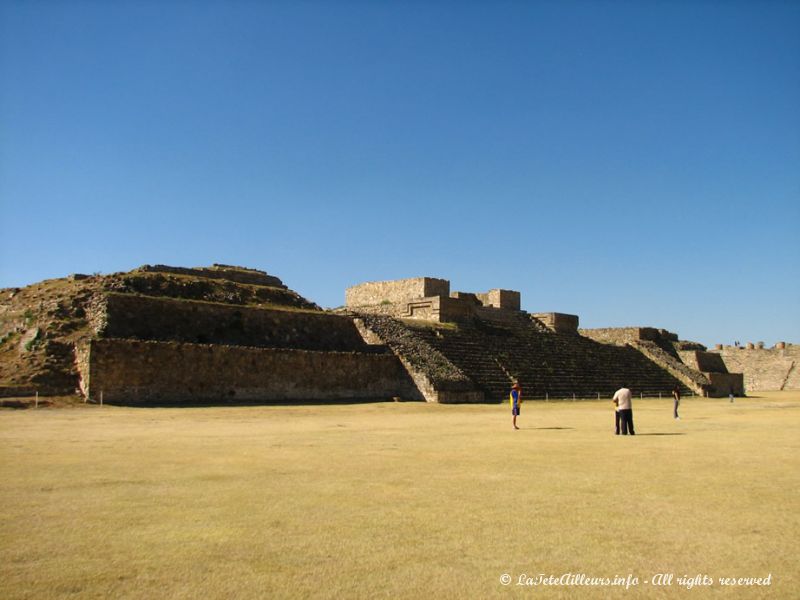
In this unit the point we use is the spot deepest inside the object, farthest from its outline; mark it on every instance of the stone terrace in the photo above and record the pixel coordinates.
(547, 364)
(488, 339)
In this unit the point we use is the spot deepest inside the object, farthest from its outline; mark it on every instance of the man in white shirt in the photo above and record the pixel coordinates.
(622, 398)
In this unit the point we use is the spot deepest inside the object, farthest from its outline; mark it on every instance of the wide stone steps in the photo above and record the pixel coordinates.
(546, 364)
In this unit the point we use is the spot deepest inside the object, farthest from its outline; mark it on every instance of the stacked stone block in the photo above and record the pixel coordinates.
(764, 368)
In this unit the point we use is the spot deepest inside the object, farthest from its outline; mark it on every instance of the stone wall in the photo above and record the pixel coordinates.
(467, 297)
(628, 335)
(766, 368)
(497, 298)
(427, 299)
(723, 384)
(400, 290)
(438, 308)
(619, 335)
(558, 322)
(706, 362)
(168, 319)
(128, 371)
(687, 374)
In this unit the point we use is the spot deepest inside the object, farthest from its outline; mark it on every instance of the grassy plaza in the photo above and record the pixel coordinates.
(399, 500)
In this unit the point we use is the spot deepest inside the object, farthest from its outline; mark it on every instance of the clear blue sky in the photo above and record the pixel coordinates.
(635, 163)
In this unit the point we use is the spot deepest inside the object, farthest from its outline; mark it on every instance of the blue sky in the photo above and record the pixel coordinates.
(635, 163)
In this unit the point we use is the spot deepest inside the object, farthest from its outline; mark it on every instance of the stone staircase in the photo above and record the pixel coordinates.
(694, 380)
(493, 352)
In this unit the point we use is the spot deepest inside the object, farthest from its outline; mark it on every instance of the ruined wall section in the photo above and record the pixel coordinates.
(621, 335)
(202, 288)
(558, 322)
(376, 293)
(709, 362)
(724, 383)
(218, 271)
(697, 369)
(129, 371)
(435, 376)
(687, 374)
(497, 298)
(765, 369)
(435, 308)
(168, 319)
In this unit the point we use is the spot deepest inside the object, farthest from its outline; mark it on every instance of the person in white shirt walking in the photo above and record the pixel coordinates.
(625, 408)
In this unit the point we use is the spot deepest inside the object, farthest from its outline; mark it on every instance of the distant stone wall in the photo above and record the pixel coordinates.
(558, 322)
(620, 335)
(706, 362)
(433, 308)
(427, 299)
(437, 308)
(217, 271)
(128, 371)
(686, 374)
(765, 368)
(629, 335)
(168, 319)
(400, 290)
(723, 384)
(509, 299)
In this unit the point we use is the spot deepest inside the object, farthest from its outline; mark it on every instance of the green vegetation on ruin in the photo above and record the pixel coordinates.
(263, 305)
(52, 316)
(423, 324)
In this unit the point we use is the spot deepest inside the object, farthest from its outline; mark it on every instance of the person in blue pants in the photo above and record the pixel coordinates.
(515, 399)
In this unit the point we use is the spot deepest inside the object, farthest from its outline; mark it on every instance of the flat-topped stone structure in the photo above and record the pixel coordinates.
(374, 293)
(558, 322)
(217, 333)
(714, 368)
(219, 271)
(776, 368)
(626, 335)
(509, 299)
(701, 371)
(426, 298)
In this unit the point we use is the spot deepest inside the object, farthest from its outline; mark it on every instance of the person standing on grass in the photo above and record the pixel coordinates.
(515, 399)
(616, 416)
(676, 393)
(625, 406)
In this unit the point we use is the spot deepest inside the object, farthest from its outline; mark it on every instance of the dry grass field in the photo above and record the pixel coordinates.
(402, 500)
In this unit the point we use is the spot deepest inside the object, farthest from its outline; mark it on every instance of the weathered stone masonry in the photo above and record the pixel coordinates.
(492, 342)
(168, 319)
(765, 368)
(214, 333)
(129, 371)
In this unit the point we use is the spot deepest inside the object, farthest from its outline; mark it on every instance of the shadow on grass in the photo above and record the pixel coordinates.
(557, 428)
(660, 434)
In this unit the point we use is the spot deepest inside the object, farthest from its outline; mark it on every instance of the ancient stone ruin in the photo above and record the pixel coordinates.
(486, 340)
(225, 333)
(763, 368)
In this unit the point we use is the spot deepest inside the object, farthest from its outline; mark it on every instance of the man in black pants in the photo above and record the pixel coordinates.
(625, 407)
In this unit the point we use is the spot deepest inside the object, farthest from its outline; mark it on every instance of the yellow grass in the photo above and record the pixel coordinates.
(397, 500)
